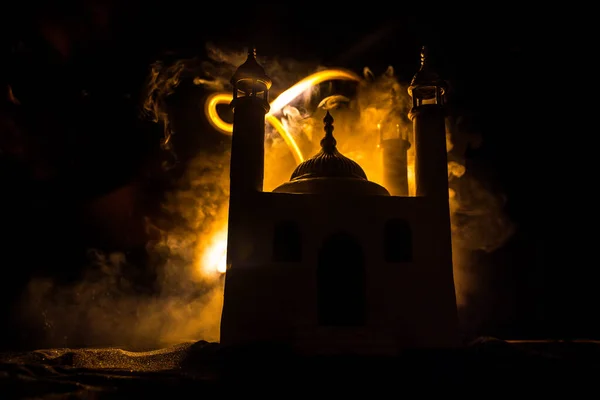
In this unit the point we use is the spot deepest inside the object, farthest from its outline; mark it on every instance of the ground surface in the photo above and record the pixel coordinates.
(486, 367)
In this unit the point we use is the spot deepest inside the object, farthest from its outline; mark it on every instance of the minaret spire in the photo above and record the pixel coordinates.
(250, 79)
(426, 84)
(424, 53)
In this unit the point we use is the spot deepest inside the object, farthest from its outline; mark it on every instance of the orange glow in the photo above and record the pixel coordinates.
(210, 106)
(289, 139)
(214, 258)
(210, 109)
(314, 79)
(410, 172)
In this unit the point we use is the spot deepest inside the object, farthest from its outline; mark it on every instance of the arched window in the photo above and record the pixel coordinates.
(341, 282)
(287, 242)
(397, 241)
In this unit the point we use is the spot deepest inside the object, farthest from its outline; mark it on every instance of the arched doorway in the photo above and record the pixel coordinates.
(341, 282)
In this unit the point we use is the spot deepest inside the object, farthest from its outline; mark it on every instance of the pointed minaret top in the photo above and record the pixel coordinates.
(426, 79)
(250, 73)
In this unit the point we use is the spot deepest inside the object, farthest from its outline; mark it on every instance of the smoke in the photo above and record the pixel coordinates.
(360, 110)
(106, 306)
(479, 222)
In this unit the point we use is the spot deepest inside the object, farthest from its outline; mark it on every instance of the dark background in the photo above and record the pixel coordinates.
(78, 71)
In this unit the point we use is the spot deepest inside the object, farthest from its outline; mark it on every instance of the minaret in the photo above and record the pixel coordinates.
(431, 178)
(429, 125)
(250, 104)
(395, 163)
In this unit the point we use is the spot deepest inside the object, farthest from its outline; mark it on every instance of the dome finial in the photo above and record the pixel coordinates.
(423, 56)
(328, 142)
(329, 162)
(252, 51)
